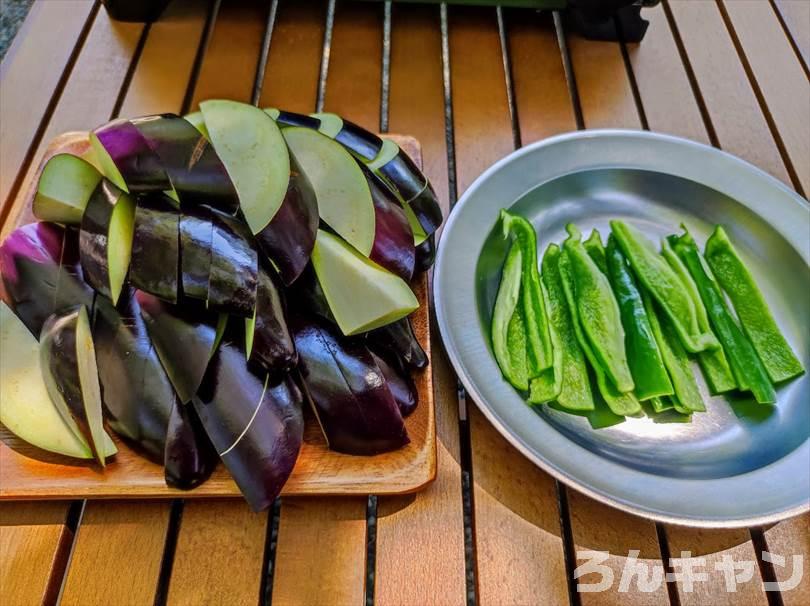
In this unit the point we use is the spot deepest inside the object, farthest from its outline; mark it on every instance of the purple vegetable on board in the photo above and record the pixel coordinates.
(425, 254)
(184, 337)
(196, 233)
(396, 343)
(393, 246)
(256, 428)
(268, 339)
(126, 158)
(234, 266)
(155, 258)
(401, 384)
(348, 391)
(189, 457)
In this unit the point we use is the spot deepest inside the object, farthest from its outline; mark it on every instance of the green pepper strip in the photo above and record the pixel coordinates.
(508, 325)
(757, 321)
(598, 312)
(620, 403)
(547, 385)
(746, 366)
(660, 280)
(575, 386)
(643, 356)
(539, 350)
(593, 245)
(687, 393)
(713, 363)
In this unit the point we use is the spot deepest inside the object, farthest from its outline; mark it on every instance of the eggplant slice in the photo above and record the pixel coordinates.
(190, 457)
(234, 267)
(156, 248)
(267, 338)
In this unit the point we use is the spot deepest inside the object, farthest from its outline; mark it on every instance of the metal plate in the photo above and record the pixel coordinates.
(738, 464)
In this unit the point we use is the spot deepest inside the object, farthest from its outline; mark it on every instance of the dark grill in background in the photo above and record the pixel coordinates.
(594, 19)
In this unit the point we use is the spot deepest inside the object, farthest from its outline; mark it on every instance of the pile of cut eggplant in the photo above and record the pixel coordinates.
(193, 281)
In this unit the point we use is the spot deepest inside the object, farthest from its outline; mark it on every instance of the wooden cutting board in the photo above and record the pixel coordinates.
(27, 472)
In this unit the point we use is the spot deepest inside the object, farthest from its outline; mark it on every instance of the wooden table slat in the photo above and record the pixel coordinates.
(734, 110)
(30, 75)
(791, 539)
(113, 536)
(796, 15)
(420, 541)
(780, 77)
(33, 543)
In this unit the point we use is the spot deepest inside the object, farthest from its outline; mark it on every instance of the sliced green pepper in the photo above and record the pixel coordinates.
(575, 389)
(618, 402)
(687, 396)
(713, 362)
(508, 324)
(746, 366)
(643, 356)
(661, 404)
(546, 387)
(757, 321)
(598, 312)
(593, 245)
(538, 338)
(660, 280)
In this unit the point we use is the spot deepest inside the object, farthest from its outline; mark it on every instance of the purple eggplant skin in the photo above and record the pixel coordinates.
(183, 337)
(196, 233)
(58, 350)
(189, 457)
(286, 118)
(307, 296)
(137, 395)
(359, 141)
(393, 246)
(396, 342)
(256, 428)
(348, 391)
(234, 266)
(401, 384)
(273, 346)
(30, 267)
(289, 238)
(94, 233)
(140, 167)
(425, 254)
(426, 208)
(194, 169)
(155, 260)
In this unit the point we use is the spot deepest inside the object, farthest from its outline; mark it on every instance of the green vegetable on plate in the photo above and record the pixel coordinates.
(746, 365)
(660, 280)
(713, 363)
(508, 324)
(596, 249)
(773, 350)
(643, 355)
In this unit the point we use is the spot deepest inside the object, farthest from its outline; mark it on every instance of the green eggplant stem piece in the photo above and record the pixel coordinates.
(572, 372)
(618, 402)
(593, 245)
(508, 325)
(655, 274)
(746, 366)
(643, 355)
(757, 321)
(687, 396)
(538, 338)
(598, 312)
(713, 362)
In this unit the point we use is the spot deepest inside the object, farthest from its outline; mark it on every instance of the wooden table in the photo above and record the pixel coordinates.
(471, 84)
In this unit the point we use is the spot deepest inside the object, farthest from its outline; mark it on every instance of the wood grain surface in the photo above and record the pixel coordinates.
(796, 15)
(791, 539)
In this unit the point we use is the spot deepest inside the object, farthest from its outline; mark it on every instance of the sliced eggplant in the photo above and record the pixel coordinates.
(358, 140)
(194, 169)
(26, 408)
(64, 188)
(68, 363)
(401, 384)
(30, 267)
(256, 428)
(155, 247)
(362, 295)
(425, 254)
(396, 341)
(267, 339)
(197, 121)
(234, 267)
(184, 338)
(126, 158)
(105, 239)
(348, 391)
(341, 188)
(196, 233)
(189, 457)
(138, 397)
(393, 239)
(286, 118)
